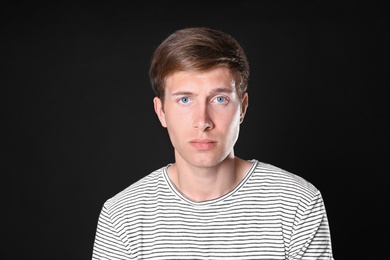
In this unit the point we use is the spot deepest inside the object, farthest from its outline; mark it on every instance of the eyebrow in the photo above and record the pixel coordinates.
(182, 93)
(221, 90)
(213, 91)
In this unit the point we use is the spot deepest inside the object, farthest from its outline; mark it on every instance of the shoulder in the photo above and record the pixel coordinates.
(283, 182)
(137, 192)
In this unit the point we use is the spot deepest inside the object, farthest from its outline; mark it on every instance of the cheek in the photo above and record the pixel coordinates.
(176, 125)
(234, 118)
(235, 128)
(232, 124)
(180, 119)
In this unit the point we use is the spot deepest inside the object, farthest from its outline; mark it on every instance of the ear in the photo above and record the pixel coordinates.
(244, 105)
(158, 108)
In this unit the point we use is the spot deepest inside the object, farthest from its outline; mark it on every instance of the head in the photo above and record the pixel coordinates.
(198, 49)
(200, 78)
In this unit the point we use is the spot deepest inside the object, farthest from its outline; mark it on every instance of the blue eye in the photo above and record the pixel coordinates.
(184, 100)
(220, 99)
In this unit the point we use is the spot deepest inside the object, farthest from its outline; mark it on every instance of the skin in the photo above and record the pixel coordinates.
(202, 113)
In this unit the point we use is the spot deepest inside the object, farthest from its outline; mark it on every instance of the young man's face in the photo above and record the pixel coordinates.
(202, 112)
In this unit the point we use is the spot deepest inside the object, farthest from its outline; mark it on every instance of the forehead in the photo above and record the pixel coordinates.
(216, 77)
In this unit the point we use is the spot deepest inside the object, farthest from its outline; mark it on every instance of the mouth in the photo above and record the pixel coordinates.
(203, 144)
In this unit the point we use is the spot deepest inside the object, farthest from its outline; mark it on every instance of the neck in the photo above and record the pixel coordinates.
(207, 183)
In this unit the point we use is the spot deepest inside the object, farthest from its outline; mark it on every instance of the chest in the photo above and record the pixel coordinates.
(229, 232)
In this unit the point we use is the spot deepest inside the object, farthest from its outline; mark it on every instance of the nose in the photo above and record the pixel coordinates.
(202, 119)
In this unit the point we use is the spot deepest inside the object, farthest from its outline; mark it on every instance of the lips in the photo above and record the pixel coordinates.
(203, 144)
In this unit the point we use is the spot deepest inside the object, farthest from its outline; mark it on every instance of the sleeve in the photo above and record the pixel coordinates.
(310, 238)
(108, 244)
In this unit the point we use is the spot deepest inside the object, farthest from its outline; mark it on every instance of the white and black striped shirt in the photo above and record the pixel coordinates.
(271, 214)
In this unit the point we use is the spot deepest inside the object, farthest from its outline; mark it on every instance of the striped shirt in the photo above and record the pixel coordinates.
(271, 214)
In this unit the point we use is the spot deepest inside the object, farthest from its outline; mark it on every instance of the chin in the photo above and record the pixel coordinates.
(207, 162)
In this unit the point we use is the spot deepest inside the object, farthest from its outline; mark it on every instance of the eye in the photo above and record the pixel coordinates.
(184, 100)
(221, 100)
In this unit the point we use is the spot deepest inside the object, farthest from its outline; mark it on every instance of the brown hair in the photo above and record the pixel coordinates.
(198, 49)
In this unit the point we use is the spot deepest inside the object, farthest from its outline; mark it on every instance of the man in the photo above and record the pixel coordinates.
(210, 204)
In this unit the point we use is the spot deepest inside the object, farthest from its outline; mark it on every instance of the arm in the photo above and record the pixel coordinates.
(108, 244)
(310, 238)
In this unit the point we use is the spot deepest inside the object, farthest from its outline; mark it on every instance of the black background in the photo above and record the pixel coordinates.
(78, 123)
